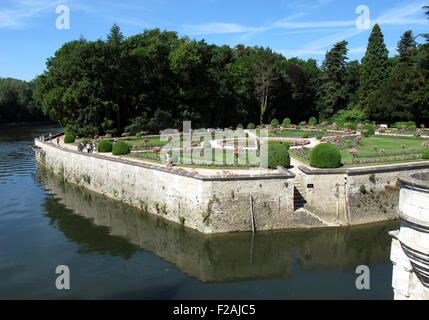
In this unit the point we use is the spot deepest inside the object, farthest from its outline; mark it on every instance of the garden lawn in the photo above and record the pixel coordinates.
(373, 145)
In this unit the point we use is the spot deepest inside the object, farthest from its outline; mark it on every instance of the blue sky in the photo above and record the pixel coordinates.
(305, 28)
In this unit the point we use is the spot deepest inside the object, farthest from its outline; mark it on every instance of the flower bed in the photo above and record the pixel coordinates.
(301, 153)
(381, 160)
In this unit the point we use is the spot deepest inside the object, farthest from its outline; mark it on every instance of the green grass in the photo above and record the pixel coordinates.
(153, 142)
(372, 145)
(297, 157)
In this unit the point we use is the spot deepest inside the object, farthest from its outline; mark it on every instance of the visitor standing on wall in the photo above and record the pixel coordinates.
(88, 147)
(58, 141)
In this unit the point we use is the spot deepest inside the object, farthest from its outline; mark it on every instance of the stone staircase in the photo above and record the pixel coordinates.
(298, 199)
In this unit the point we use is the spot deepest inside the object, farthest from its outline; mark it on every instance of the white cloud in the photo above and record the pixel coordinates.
(400, 15)
(19, 12)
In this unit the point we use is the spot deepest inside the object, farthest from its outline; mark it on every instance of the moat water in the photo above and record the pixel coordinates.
(117, 252)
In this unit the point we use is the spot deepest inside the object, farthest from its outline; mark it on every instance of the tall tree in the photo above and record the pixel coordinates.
(407, 48)
(332, 93)
(352, 83)
(405, 97)
(266, 75)
(115, 40)
(375, 66)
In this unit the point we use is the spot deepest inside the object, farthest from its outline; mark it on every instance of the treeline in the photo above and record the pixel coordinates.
(155, 80)
(381, 89)
(16, 102)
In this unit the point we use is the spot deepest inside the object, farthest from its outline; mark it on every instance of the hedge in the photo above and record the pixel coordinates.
(408, 124)
(69, 138)
(278, 155)
(325, 155)
(120, 148)
(105, 146)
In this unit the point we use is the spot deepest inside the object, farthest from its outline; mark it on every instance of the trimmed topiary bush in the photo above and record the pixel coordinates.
(250, 126)
(426, 154)
(325, 155)
(368, 130)
(69, 138)
(286, 122)
(274, 123)
(120, 148)
(105, 146)
(305, 135)
(239, 126)
(319, 136)
(312, 121)
(278, 155)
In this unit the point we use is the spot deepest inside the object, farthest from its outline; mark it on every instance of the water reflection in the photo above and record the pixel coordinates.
(102, 226)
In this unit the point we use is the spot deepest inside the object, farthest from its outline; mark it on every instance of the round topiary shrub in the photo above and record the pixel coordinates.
(239, 126)
(69, 138)
(312, 121)
(250, 126)
(274, 123)
(286, 122)
(278, 155)
(305, 135)
(105, 146)
(319, 136)
(120, 148)
(368, 129)
(325, 155)
(426, 154)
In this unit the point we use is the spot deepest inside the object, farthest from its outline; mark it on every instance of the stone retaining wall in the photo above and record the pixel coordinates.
(216, 204)
(356, 195)
(209, 204)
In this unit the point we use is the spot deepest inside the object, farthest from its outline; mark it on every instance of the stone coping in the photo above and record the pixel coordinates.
(283, 173)
(415, 223)
(418, 180)
(368, 170)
